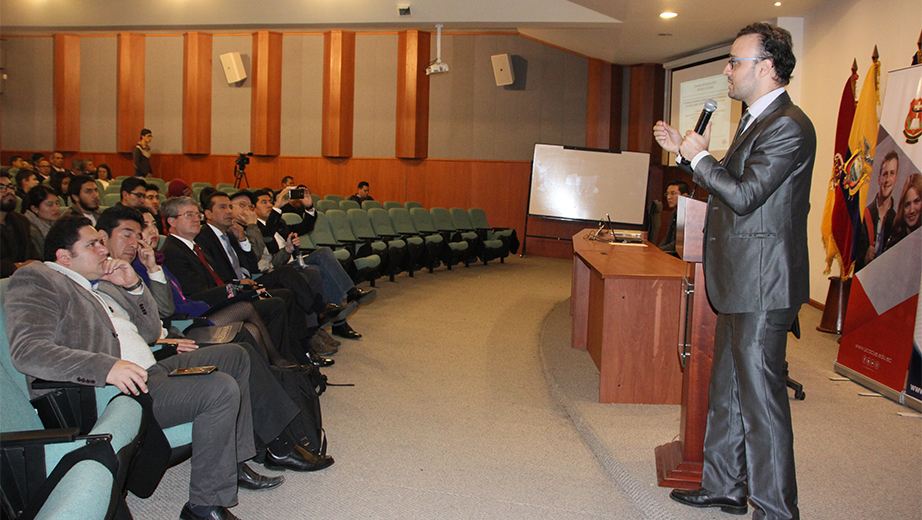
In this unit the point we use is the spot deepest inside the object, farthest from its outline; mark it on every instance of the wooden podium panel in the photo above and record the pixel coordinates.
(625, 308)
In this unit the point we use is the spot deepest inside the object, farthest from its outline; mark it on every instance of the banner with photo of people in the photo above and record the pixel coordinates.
(881, 336)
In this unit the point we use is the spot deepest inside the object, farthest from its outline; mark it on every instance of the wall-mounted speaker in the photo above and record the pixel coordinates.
(233, 67)
(502, 70)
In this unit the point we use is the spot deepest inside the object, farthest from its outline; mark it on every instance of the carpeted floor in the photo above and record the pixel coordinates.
(469, 403)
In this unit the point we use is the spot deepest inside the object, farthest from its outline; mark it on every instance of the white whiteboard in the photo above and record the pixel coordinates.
(586, 185)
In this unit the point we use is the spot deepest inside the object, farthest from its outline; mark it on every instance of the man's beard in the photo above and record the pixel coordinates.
(8, 205)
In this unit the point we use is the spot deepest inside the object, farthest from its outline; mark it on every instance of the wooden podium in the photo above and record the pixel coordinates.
(679, 463)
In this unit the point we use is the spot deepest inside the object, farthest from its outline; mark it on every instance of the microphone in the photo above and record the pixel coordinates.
(709, 107)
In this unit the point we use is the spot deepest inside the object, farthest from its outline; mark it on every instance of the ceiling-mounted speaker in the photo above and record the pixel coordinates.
(502, 70)
(233, 67)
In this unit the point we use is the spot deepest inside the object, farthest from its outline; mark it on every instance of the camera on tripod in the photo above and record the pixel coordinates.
(240, 164)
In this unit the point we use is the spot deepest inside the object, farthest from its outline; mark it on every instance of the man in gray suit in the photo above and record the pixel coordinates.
(84, 317)
(757, 277)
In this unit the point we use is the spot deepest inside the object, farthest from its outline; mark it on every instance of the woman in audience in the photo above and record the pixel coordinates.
(59, 182)
(909, 210)
(42, 207)
(104, 175)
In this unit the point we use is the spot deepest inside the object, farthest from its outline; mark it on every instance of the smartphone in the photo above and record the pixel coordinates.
(296, 193)
(193, 371)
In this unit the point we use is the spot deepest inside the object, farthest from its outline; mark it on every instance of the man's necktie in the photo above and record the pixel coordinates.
(743, 122)
(201, 256)
(232, 256)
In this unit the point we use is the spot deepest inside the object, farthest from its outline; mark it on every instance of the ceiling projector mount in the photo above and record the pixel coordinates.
(437, 67)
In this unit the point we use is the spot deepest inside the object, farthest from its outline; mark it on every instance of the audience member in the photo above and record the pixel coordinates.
(60, 182)
(218, 404)
(178, 188)
(674, 189)
(17, 161)
(37, 156)
(362, 195)
(133, 191)
(152, 201)
(104, 175)
(908, 212)
(78, 167)
(16, 246)
(42, 207)
(57, 162)
(90, 167)
(43, 169)
(288, 181)
(25, 181)
(84, 198)
(141, 154)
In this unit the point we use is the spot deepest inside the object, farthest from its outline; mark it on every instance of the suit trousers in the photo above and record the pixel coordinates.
(218, 405)
(336, 283)
(749, 438)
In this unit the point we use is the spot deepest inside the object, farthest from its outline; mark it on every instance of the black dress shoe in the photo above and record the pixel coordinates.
(249, 479)
(362, 297)
(217, 513)
(345, 331)
(335, 313)
(703, 498)
(317, 360)
(298, 460)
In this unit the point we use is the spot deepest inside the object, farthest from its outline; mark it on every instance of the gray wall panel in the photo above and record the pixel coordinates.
(472, 118)
(98, 67)
(163, 75)
(302, 94)
(28, 94)
(230, 103)
(375, 126)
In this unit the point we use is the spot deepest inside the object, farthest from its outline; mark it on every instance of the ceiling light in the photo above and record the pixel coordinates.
(777, 4)
(668, 14)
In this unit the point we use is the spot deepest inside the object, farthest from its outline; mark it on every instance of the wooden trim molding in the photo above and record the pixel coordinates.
(129, 102)
(196, 93)
(338, 93)
(66, 92)
(412, 94)
(266, 105)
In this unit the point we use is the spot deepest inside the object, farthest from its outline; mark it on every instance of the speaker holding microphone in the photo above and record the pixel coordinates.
(709, 107)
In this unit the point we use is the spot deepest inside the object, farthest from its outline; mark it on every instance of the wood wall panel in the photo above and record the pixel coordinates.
(66, 92)
(599, 104)
(129, 102)
(413, 94)
(648, 90)
(196, 93)
(617, 96)
(338, 93)
(266, 105)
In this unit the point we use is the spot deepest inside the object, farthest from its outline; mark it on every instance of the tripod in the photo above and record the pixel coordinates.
(240, 174)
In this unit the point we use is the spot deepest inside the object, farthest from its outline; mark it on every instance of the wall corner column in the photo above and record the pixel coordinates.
(196, 93)
(266, 104)
(648, 95)
(66, 92)
(129, 103)
(338, 93)
(412, 95)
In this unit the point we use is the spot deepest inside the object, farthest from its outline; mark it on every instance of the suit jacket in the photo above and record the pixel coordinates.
(192, 275)
(305, 227)
(74, 340)
(16, 243)
(211, 244)
(755, 256)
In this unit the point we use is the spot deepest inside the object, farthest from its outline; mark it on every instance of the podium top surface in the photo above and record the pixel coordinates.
(626, 260)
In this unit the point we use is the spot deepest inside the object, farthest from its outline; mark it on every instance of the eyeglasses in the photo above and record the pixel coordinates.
(191, 214)
(734, 61)
(4, 187)
(139, 194)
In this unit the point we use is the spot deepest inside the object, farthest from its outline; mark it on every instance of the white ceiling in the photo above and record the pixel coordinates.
(619, 31)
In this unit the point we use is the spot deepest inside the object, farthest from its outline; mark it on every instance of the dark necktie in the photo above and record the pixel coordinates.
(743, 122)
(201, 256)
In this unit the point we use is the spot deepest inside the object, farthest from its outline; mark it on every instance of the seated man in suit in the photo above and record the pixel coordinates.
(16, 246)
(84, 295)
(206, 278)
(362, 195)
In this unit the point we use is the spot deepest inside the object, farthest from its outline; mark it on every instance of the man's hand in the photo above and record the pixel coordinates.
(185, 345)
(128, 377)
(282, 198)
(238, 232)
(119, 272)
(693, 144)
(246, 281)
(292, 242)
(147, 257)
(667, 137)
(308, 201)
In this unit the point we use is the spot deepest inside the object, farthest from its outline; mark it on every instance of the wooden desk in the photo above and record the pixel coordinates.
(625, 306)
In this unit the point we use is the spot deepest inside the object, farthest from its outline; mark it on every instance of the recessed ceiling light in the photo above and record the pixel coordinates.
(777, 4)
(668, 14)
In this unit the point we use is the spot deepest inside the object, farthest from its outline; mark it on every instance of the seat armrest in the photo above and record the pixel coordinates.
(38, 437)
(41, 384)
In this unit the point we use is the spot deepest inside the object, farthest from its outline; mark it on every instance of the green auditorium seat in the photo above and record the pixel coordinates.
(200, 185)
(391, 204)
(325, 205)
(342, 230)
(333, 197)
(410, 204)
(492, 247)
(307, 245)
(403, 225)
(366, 267)
(315, 198)
(113, 187)
(507, 235)
(457, 251)
(347, 204)
(396, 248)
(415, 246)
(111, 199)
(369, 204)
(122, 177)
(226, 187)
(158, 181)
